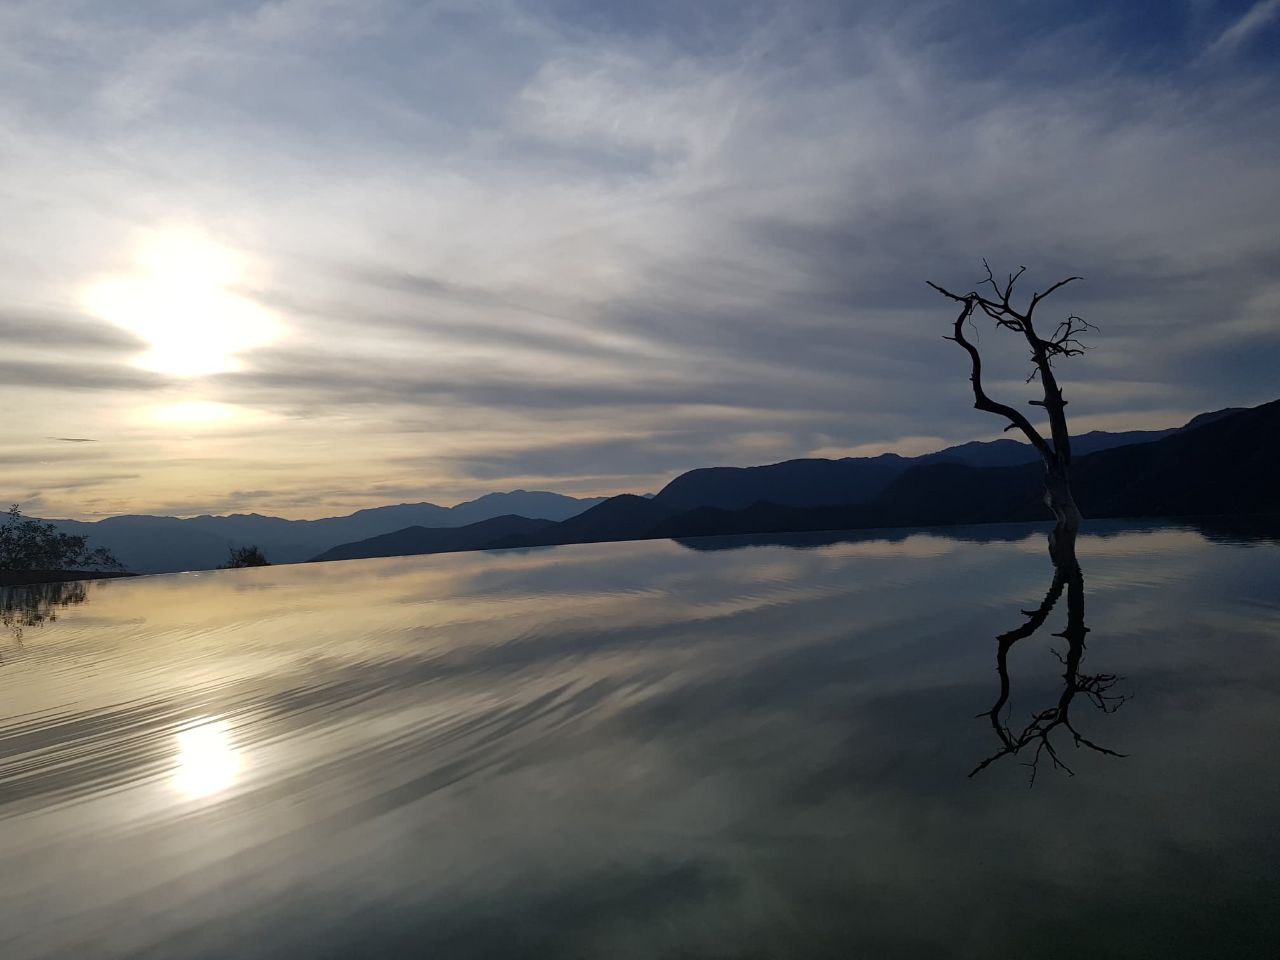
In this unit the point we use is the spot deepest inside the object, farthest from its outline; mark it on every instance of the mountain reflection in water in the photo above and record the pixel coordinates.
(742, 749)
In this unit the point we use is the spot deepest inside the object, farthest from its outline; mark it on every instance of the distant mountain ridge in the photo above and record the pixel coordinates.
(813, 482)
(1225, 463)
(414, 540)
(151, 544)
(765, 497)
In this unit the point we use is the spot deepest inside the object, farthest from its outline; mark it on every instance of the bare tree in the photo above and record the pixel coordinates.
(1055, 452)
(1063, 342)
(250, 556)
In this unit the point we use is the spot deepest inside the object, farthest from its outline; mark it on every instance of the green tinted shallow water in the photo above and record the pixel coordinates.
(646, 750)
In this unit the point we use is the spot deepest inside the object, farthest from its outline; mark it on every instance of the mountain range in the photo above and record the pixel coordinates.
(1219, 463)
(150, 544)
(815, 482)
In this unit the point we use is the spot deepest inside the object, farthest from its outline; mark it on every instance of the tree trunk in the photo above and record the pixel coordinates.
(1055, 452)
(1058, 498)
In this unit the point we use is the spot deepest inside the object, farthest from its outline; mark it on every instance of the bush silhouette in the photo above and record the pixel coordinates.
(245, 557)
(29, 544)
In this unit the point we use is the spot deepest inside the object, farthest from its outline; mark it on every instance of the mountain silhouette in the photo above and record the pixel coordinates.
(977, 482)
(795, 483)
(618, 518)
(414, 540)
(816, 482)
(147, 544)
(1225, 463)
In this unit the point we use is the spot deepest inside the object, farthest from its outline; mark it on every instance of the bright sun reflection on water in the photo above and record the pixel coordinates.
(207, 764)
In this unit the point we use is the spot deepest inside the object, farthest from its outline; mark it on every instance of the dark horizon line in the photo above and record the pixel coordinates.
(404, 503)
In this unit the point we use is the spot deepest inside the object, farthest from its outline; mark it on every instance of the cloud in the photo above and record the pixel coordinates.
(1256, 19)
(91, 480)
(53, 330)
(653, 455)
(508, 229)
(75, 377)
(26, 456)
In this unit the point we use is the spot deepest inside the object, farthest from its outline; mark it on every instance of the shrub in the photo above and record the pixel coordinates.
(245, 557)
(29, 544)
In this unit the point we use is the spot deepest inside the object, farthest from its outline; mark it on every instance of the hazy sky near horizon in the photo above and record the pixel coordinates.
(306, 256)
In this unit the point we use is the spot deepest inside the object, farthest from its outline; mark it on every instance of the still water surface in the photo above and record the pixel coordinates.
(712, 749)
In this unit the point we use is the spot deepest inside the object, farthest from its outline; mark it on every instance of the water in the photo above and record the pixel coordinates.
(648, 750)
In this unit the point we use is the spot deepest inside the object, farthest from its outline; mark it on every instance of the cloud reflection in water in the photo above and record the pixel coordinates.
(644, 749)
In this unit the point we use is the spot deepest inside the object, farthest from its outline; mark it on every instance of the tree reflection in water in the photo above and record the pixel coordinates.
(1037, 735)
(35, 604)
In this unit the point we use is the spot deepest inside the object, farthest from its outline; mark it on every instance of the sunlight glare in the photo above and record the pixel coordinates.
(200, 413)
(207, 764)
(181, 299)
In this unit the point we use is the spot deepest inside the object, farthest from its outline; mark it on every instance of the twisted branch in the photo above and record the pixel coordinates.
(980, 399)
(1064, 342)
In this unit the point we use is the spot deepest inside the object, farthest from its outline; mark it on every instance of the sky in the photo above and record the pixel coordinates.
(307, 256)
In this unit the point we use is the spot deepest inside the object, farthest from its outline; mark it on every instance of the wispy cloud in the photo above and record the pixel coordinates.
(1258, 17)
(504, 241)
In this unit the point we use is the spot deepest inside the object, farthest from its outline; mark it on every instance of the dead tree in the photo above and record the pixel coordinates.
(1063, 342)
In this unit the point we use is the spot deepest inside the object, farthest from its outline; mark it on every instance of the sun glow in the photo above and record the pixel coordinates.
(200, 413)
(207, 764)
(181, 299)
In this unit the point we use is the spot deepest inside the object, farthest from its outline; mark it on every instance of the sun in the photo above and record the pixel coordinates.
(182, 298)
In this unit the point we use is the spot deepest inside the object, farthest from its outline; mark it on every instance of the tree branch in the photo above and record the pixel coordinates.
(1037, 297)
(1065, 342)
(980, 399)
